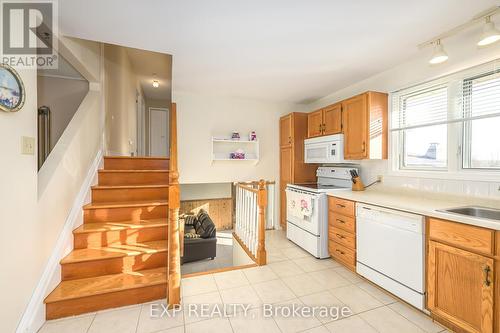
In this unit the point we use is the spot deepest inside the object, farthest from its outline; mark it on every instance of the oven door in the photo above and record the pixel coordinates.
(307, 223)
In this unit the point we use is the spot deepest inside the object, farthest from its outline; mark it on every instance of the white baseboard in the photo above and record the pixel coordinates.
(34, 315)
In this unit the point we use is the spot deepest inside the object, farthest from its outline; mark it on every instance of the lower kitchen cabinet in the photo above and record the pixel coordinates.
(460, 287)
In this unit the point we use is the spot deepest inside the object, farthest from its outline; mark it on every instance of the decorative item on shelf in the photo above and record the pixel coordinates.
(237, 155)
(11, 89)
(235, 136)
(357, 183)
(252, 136)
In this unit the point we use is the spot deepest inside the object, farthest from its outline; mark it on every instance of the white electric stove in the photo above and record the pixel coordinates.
(310, 231)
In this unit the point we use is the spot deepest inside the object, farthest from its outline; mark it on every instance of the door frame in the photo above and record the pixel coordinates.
(141, 124)
(167, 110)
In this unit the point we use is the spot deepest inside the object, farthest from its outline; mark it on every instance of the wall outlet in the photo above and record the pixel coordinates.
(27, 145)
(380, 178)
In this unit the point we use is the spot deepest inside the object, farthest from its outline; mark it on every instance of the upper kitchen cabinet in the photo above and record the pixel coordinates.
(364, 119)
(286, 130)
(325, 121)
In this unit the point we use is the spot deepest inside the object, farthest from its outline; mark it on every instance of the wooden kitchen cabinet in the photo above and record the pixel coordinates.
(326, 121)
(364, 119)
(315, 124)
(342, 231)
(286, 131)
(332, 119)
(460, 287)
(293, 131)
(461, 276)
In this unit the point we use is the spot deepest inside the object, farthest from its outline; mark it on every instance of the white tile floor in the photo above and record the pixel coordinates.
(292, 278)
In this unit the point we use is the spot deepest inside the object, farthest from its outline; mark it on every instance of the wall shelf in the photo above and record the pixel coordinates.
(222, 147)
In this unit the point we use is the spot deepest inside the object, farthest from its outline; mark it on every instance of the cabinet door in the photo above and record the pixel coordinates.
(460, 287)
(332, 119)
(286, 131)
(355, 121)
(315, 124)
(285, 178)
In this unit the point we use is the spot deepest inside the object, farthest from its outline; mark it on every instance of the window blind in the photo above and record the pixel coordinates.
(424, 107)
(481, 96)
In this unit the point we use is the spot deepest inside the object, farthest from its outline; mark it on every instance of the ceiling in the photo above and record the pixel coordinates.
(281, 50)
(149, 66)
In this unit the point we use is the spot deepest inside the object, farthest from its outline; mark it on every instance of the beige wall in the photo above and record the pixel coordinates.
(121, 86)
(63, 96)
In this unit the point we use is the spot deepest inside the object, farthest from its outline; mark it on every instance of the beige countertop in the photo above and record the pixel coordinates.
(422, 203)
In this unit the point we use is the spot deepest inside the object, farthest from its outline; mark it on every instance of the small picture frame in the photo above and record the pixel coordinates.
(12, 93)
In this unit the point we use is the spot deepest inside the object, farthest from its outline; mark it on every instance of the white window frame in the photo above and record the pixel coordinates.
(455, 134)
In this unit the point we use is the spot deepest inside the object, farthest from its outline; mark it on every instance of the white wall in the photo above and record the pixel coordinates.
(35, 207)
(201, 117)
(19, 227)
(205, 191)
(463, 53)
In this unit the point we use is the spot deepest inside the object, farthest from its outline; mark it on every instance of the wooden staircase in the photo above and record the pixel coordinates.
(120, 254)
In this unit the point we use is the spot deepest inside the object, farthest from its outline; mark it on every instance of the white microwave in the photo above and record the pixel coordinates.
(324, 149)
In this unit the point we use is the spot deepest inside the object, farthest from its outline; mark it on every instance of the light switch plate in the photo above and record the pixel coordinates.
(27, 145)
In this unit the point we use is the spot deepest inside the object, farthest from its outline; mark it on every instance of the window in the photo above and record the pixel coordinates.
(422, 130)
(449, 124)
(481, 111)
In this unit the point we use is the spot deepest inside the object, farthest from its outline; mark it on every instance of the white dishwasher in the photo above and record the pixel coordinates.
(390, 251)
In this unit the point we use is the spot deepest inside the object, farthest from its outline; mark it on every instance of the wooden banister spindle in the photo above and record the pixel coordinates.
(262, 203)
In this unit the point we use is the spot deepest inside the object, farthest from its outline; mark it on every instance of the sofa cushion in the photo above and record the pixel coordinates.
(205, 227)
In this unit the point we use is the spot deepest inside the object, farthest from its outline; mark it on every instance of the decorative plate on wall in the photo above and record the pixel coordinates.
(11, 89)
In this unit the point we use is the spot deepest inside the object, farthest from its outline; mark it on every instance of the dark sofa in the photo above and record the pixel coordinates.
(200, 241)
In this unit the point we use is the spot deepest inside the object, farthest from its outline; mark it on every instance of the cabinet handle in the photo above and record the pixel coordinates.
(320, 127)
(340, 236)
(487, 271)
(364, 146)
(340, 206)
(339, 251)
(340, 221)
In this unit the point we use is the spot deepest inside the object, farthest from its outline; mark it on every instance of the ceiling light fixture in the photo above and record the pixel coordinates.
(490, 33)
(439, 55)
(156, 83)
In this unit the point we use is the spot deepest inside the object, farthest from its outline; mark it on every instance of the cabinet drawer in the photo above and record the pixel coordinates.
(341, 206)
(342, 237)
(342, 254)
(346, 223)
(468, 237)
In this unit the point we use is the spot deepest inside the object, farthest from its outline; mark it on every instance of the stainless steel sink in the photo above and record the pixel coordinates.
(475, 211)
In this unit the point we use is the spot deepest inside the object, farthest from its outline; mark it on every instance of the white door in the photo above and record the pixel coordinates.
(158, 132)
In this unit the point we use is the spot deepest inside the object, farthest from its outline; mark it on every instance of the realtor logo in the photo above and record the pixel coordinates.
(28, 34)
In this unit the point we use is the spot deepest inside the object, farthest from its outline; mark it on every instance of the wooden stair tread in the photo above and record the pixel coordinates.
(133, 171)
(115, 251)
(79, 288)
(118, 187)
(121, 204)
(116, 226)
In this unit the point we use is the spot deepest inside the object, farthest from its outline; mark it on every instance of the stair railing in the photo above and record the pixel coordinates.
(44, 132)
(174, 241)
(250, 228)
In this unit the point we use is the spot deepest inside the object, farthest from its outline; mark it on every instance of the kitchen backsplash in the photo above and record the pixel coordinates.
(371, 169)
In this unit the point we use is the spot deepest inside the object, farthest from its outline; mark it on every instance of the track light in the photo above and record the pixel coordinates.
(439, 55)
(490, 34)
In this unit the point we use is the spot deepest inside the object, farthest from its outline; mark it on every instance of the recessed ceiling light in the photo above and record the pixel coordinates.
(490, 33)
(439, 55)
(156, 84)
